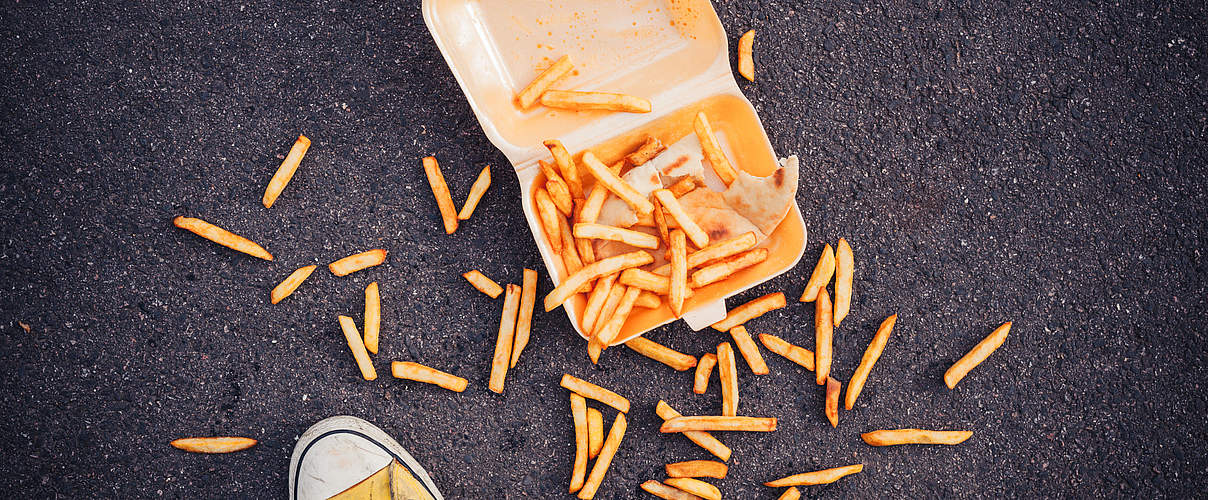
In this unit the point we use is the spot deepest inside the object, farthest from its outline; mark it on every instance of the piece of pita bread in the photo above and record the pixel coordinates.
(708, 208)
(679, 160)
(615, 212)
(764, 201)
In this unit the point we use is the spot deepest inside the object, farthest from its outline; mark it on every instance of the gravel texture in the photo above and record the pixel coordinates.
(1037, 162)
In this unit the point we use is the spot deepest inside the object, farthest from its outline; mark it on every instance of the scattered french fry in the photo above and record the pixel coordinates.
(832, 400)
(527, 97)
(713, 153)
(648, 300)
(824, 332)
(604, 460)
(595, 302)
(844, 268)
(481, 184)
(226, 444)
(595, 431)
(750, 310)
(357, 262)
(816, 477)
(661, 353)
(557, 188)
(357, 345)
(414, 371)
(578, 412)
(695, 487)
(616, 185)
(440, 190)
(746, 63)
(604, 267)
(584, 101)
(627, 236)
(222, 237)
(791, 494)
(548, 214)
(593, 391)
(727, 373)
(373, 316)
(704, 369)
(698, 468)
(799, 355)
(701, 438)
(891, 437)
(979, 353)
(871, 355)
(691, 229)
(482, 283)
(524, 318)
(566, 165)
(666, 492)
(285, 172)
(291, 283)
(821, 275)
(683, 187)
(726, 268)
(715, 423)
(749, 350)
(505, 339)
(649, 149)
(679, 272)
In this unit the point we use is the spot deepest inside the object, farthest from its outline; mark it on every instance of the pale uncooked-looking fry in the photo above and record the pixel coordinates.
(749, 350)
(649, 149)
(595, 303)
(746, 63)
(222, 237)
(722, 423)
(527, 97)
(548, 214)
(712, 149)
(357, 262)
(648, 300)
(224, 444)
(285, 172)
(414, 371)
(593, 391)
(799, 355)
(599, 268)
(504, 341)
(357, 345)
(682, 187)
(678, 283)
(844, 267)
(373, 316)
(716, 272)
(595, 431)
(559, 192)
(291, 283)
(613, 328)
(750, 310)
(871, 355)
(482, 283)
(975, 356)
(824, 333)
(666, 492)
(727, 373)
(616, 185)
(566, 165)
(698, 468)
(691, 229)
(891, 437)
(816, 477)
(578, 412)
(604, 460)
(701, 438)
(440, 190)
(791, 494)
(606, 101)
(832, 400)
(823, 270)
(704, 369)
(612, 233)
(695, 487)
(524, 318)
(481, 184)
(661, 353)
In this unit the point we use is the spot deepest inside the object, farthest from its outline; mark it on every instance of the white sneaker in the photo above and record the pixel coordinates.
(348, 457)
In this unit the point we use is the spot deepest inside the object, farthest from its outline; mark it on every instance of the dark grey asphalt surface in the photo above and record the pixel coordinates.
(1038, 162)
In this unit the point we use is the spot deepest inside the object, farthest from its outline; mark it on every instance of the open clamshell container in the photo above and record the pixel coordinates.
(673, 53)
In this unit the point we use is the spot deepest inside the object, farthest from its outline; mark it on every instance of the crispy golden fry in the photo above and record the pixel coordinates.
(749, 350)
(595, 431)
(440, 190)
(593, 204)
(524, 318)
(672, 206)
(704, 369)
(750, 310)
(291, 283)
(604, 460)
(222, 237)
(844, 267)
(716, 423)
(714, 252)
(682, 187)
(661, 353)
(695, 486)
(666, 492)
(527, 97)
(660, 223)
(566, 165)
(414, 371)
(612, 233)
(357, 345)
(648, 300)
(979, 353)
(727, 373)
(593, 391)
(678, 283)
(548, 214)
(557, 188)
(871, 355)
(357, 262)
(824, 333)
(373, 316)
(712, 149)
(821, 275)
(816, 477)
(646, 280)
(482, 283)
(610, 307)
(616, 185)
(595, 302)
(746, 64)
(799, 355)
(698, 468)
(583, 101)
(832, 400)
(505, 339)
(578, 412)
(586, 252)
(481, 184)
(649, 149)
(701, 438)
(570, 256)
(224, 444)
(613, 328)
(604, 267)
(716, 272)
(791, 494)
(285, 172)
(887, 437)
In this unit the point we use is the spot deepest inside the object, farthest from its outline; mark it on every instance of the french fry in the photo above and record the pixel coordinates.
(672, 206)
(649, 149)
(791, 494)
(606, 313)
(529, 95)
(578, 412)
(660, 223)
(586, 252)
(724, 269)
(595, 200)
(570, 256)
(714, 252)
(816, 477)
(698, 468)
(584, 101)
(701, 438)
(979, 353)
(712, 149)
(891, 437)
(547, 212)
(627, 236)
(482, 283)
(373, 316)
(715, 423)
(566, 165)
(750, 310)
(481, 184)
(844, 267)
(504, 341)
(666, 492)
(604, 460)
(682, 187)
(694, 486)
(799, 355)
(225, 444)
(440, 190)
(357, 346)
(824, 332)
(595, 431)
(661, 353)
(357, 262)
(727, 373)
(821, 275)
(524, 317)
(414, 371)
(593, 391)
(679, 272)
(291, 283)
(285, 172)
(832, 400)
(557, 188)
(595, 302)
(604, 267)
(746, 63)
(871, 355)
(648, 300)
(616, 185)
(749, 350)
(704, 368)
(222, 237)
(611, 330)
(646, 280)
